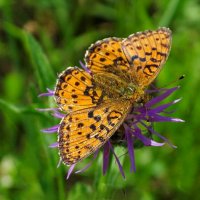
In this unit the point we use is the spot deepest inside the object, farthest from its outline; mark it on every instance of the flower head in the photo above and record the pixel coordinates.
(136, 128)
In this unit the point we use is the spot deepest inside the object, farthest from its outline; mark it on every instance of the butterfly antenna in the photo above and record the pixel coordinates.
(174, 81)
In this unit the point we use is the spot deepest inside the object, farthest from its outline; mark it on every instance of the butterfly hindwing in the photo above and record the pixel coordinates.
(81, 133)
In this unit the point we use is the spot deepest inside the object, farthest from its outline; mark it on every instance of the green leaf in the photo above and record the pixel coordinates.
(41, 66)
(43, 69)
(169, 12)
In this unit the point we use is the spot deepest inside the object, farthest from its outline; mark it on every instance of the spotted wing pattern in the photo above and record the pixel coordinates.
(92, 117)
(106, 56)
(75, 90)
(83, 132)
(147, 52)
(140, 56)
(97, 104)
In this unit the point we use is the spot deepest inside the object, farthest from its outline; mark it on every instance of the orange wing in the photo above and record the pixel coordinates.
(75, 90)
(83, 132)
(106, 56)
(147, 52)
(93, 117)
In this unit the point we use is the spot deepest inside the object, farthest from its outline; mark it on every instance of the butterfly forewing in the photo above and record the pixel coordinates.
(75, 90)
(146, 53)
(106, 56)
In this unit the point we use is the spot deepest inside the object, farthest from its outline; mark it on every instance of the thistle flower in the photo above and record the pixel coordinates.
(138, 126)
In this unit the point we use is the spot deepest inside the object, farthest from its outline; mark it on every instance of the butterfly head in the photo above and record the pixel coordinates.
(133, 92)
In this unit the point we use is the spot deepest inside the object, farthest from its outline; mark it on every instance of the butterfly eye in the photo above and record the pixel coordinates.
(130, 89)
(127, 91)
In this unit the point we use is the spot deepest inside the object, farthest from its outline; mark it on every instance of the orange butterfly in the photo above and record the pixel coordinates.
(98, 102)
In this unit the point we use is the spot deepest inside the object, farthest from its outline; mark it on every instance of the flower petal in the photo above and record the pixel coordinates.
(52, 129)
(71, 168)
(49, 93)
(130, 146)
(59, 162)
(85, 68)
(161, 97)
(106, 154)
(157, 144)
(157, 134)
(58, 114)
(54, 145)
(161, 108)
(46, 109)
(117, 160)
(138, 133)
(159, 118)
(89, 164)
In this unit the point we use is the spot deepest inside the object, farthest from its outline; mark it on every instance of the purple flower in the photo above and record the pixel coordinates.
(136, 129)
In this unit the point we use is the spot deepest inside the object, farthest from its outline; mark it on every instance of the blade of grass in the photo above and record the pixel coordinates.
(169, 12)
(44, 72)
(41, 66)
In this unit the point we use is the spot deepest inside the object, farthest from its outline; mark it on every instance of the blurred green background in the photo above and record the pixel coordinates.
(39, 39)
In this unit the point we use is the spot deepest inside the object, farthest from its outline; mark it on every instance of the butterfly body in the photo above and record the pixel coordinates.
(97, 103)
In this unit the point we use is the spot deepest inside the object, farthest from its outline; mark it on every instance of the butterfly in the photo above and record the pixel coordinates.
(96, 102)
